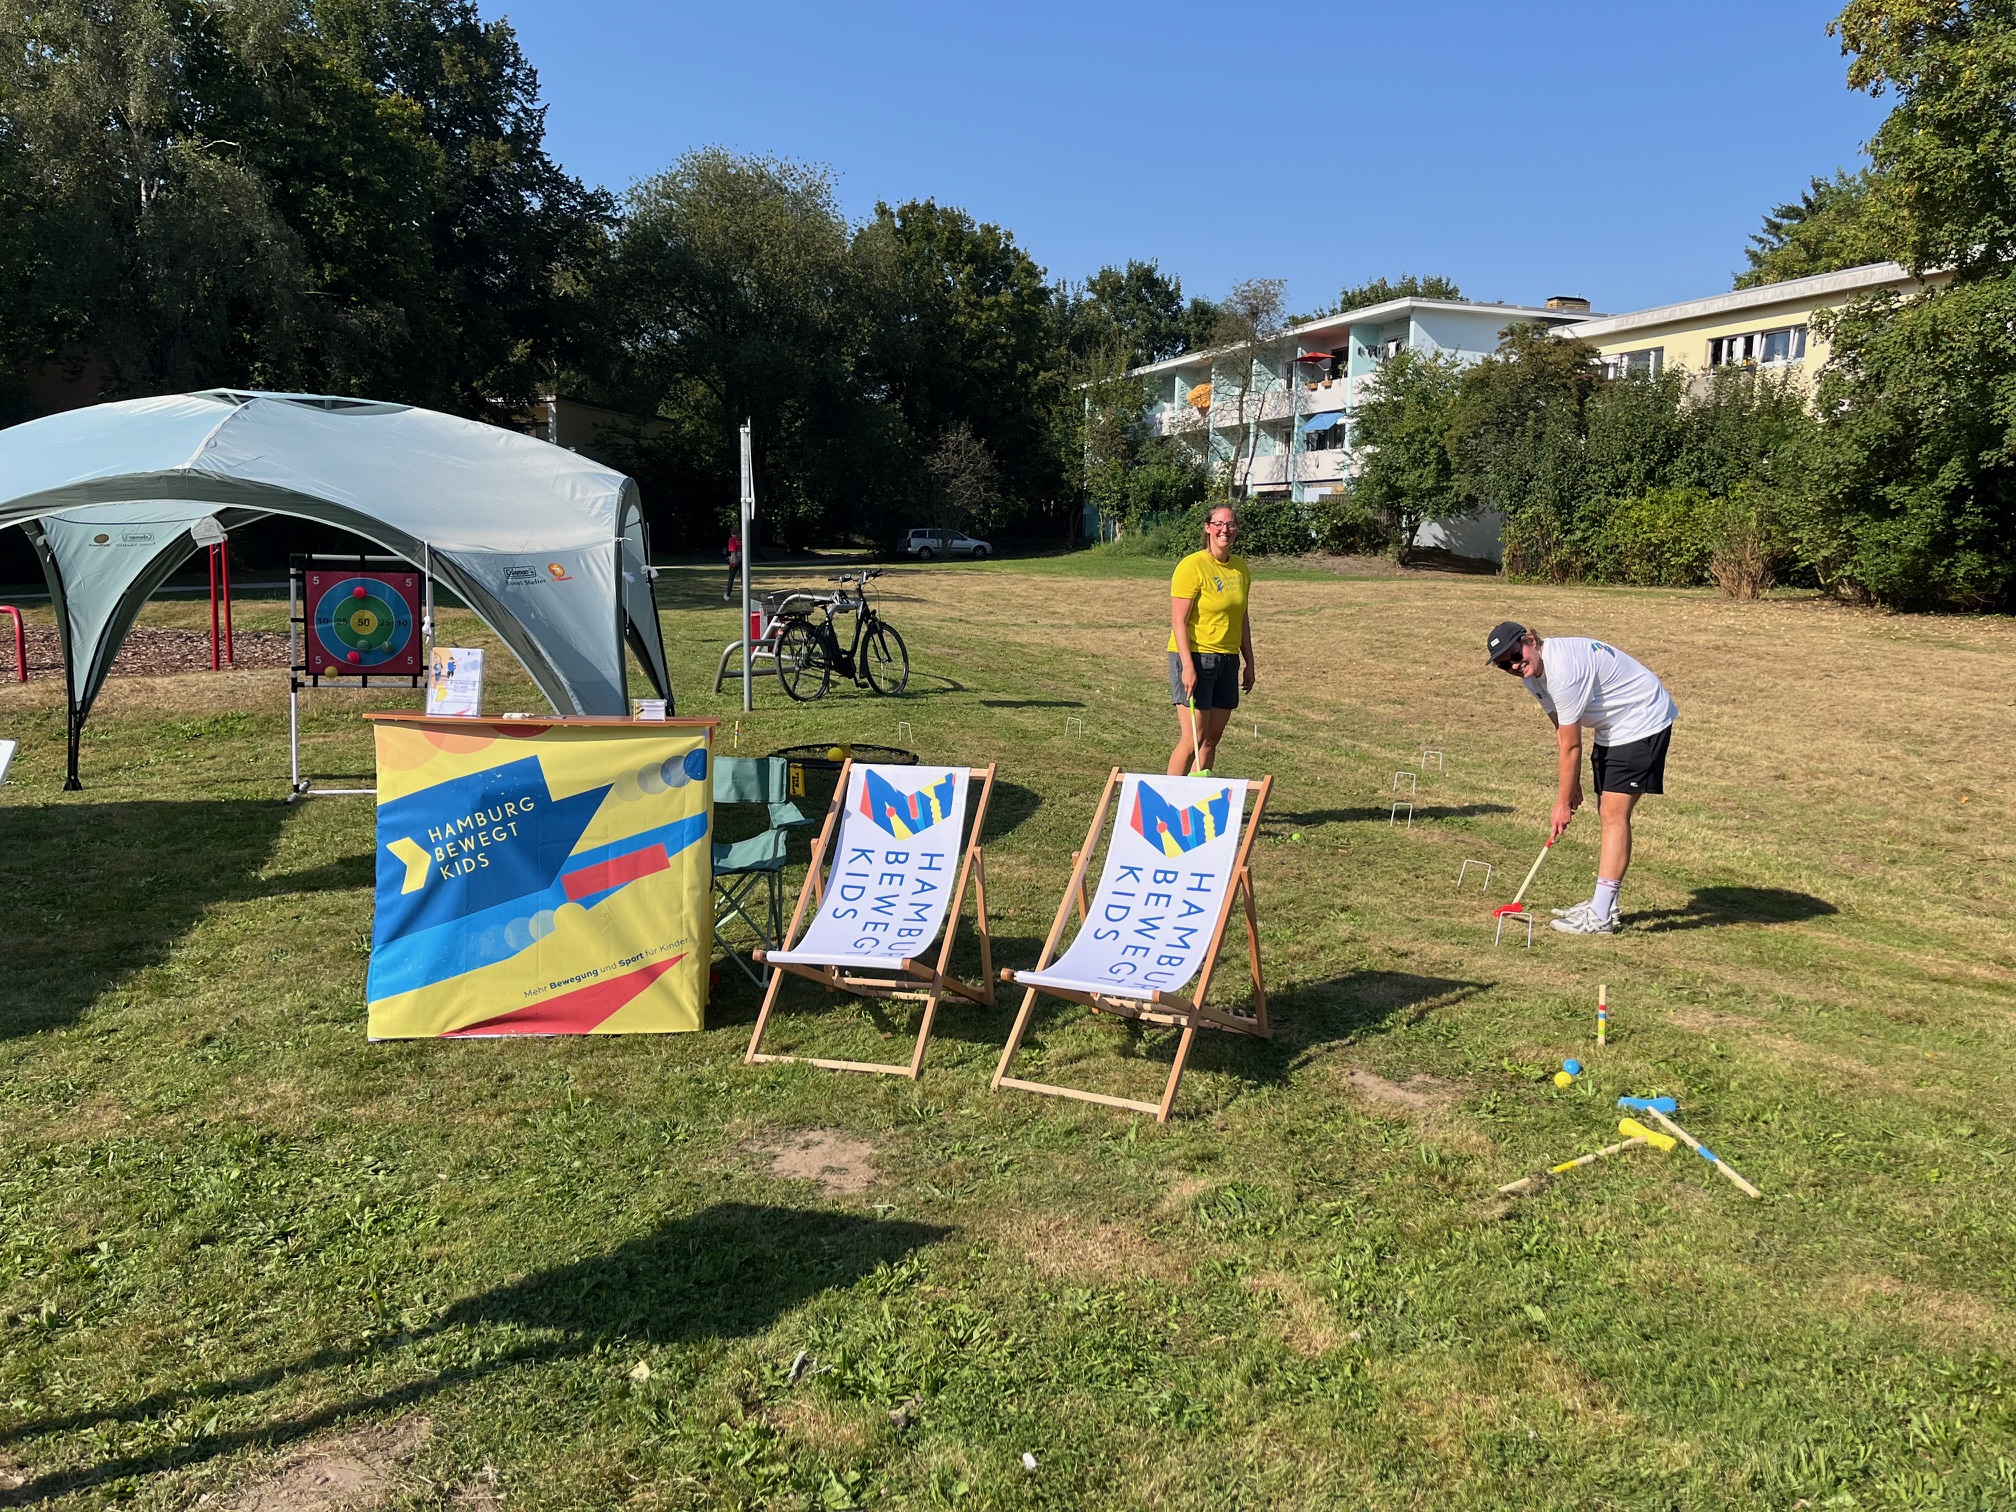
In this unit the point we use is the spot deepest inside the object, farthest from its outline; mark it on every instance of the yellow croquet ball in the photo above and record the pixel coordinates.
(1563, 1079)
(837, 753)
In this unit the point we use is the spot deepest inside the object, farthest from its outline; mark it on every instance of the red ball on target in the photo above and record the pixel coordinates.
(358, 591)
(355, 656)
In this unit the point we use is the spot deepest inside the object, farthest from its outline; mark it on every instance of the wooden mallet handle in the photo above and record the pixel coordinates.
(1703, 1151)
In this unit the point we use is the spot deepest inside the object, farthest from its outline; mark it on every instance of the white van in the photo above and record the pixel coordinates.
(926, 544)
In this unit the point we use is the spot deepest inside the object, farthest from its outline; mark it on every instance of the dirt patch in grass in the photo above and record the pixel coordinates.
(1303, 1318)
(835, 1431)
(1946, 1314)
(1418, 1094)
(839, 1164)
(357, 1470)
(1106, 1248)
(13, 1474)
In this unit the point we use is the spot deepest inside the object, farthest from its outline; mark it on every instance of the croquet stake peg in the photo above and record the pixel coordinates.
(1602, 1013)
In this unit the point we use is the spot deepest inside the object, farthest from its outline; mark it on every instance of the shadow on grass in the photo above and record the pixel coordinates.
(1030, 703)
(726, 1272)
(1711, 907)
(97, 891)
(1303, 1018)
(1383, 812)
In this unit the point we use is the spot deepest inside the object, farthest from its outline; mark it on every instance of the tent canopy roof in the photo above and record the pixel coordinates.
(455, 484)
(545, 544)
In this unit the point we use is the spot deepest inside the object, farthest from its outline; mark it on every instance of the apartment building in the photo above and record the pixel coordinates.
(1286, 425)
(1768, 328)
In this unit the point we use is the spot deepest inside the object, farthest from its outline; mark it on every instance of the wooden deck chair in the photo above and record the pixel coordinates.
(1175, 866)
(880, 870)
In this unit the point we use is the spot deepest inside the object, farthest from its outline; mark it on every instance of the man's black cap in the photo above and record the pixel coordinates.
(1503, 638)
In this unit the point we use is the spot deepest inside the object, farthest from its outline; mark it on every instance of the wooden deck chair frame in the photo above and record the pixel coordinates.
(918, 980)
(1169, 1008)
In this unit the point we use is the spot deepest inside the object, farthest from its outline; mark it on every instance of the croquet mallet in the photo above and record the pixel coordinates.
(1518, 903)
(1196, 745)
(1635, 1134)
(1658, 1108)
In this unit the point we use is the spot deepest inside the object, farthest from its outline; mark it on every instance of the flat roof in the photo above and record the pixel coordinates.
(1814, 288)
(1389, 309)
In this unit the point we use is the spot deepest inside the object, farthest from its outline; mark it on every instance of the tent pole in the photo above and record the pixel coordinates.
(748, 557)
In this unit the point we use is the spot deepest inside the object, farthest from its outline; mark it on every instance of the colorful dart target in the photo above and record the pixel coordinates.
(362, 623)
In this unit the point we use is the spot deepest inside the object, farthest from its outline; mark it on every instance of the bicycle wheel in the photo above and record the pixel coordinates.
(802, 667)
(884, 660)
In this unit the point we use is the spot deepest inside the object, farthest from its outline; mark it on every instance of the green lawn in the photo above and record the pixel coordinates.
(564, 1274)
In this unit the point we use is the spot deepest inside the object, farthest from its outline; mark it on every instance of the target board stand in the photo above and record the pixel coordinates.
(353, 622)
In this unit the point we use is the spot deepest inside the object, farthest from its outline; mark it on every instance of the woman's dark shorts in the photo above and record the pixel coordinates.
(1217, 680)
(1639, 767)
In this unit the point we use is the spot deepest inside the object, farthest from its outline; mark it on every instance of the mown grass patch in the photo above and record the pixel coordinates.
(232, 1230)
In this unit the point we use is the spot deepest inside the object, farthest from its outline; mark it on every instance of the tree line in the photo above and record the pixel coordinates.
(354, 196)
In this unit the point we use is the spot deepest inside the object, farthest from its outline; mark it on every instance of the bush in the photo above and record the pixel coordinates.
(1344, 523)
(1267, 527)
(1665, 538)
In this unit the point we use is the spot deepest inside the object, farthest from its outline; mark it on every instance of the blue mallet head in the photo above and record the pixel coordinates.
(1572, 1067)
(1655, 1104)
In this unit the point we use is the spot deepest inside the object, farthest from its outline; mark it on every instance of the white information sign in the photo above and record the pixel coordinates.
(896, 861)
(6, 757)
(207, 532)
(1168, 869)
(455, 680)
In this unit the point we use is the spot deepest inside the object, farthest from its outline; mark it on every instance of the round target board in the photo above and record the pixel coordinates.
(362, 624)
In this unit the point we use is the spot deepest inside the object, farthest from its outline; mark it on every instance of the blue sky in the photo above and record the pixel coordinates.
(1622, 151)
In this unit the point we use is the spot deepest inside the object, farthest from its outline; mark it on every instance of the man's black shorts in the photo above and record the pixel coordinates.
(1217, 680)
(1639, 767)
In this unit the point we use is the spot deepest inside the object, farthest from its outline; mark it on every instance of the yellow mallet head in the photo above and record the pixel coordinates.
(1630, 1128)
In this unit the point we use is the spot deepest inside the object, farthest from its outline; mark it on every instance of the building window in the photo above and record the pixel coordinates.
(1329, 438)
(1640, 364)
(1758, 348)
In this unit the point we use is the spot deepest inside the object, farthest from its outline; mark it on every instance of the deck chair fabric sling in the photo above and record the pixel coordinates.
(890, 869)
(1175, 867)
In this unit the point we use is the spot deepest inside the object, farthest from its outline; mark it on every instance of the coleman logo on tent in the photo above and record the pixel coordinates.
(136, 538)
(520, 577)
(101, 539)
(558, 573)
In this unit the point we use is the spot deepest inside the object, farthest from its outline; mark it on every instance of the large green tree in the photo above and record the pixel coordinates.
(1407, 285)
(1826, 228)
(1914, 498)
(339, 194)
(1402, 433)
(1138, 310)
(962, 328)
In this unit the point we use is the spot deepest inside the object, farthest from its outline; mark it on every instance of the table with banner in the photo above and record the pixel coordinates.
(541, 876)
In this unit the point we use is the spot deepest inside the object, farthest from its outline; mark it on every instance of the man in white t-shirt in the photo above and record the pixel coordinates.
(1588, 684)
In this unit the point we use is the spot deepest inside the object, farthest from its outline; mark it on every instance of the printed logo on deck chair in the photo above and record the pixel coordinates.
(1173, 830)
(906, 814)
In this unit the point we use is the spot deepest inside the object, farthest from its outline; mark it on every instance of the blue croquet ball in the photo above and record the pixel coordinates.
(1572, 1067)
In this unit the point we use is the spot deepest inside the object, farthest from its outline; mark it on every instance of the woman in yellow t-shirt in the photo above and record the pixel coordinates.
(1208, 635)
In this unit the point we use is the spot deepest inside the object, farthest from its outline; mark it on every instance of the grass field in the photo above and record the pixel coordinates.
(244, 1253)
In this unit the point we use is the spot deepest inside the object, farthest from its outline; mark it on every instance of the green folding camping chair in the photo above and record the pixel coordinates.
(751, 872)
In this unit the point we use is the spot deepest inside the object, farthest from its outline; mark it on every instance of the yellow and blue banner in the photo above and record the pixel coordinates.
(541, 879)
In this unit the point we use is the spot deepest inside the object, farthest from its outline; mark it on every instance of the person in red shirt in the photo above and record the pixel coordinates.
(734, 562)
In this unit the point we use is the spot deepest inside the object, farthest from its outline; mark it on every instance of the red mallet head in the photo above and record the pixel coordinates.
(1504, 908)
(358, 591)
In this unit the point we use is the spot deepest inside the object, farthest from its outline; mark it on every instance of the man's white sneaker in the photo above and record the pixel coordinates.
(1584, 920)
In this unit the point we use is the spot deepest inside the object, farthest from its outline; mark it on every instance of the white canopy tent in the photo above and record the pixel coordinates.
(545, 545)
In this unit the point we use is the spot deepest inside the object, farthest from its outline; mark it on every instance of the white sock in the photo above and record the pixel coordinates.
(1604, 903)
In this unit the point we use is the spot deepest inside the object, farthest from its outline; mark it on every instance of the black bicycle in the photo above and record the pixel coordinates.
(809, 651)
